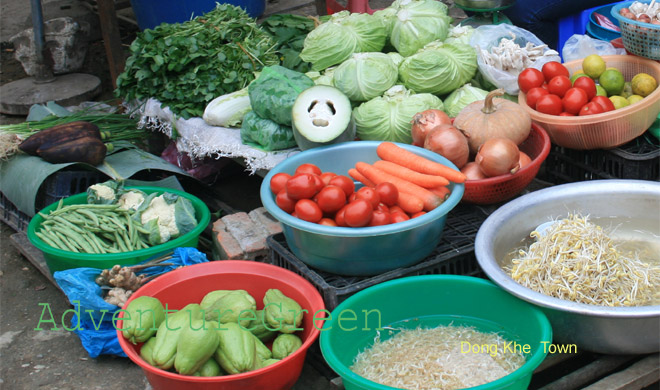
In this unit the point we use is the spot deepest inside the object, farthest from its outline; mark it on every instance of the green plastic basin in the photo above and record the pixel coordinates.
(430, 301)
(59, 260)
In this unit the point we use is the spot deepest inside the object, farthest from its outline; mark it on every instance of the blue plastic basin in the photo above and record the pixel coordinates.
(358, 251)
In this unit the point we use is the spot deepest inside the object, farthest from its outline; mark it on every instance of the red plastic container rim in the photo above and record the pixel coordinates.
(232, 267)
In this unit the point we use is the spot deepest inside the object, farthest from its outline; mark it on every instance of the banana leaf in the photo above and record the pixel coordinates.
(22, 175)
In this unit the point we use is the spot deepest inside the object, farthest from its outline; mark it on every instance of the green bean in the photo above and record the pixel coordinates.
(69, 224)
(120, 242)
(47, 240)
(70, 245)
(60, 204)
(90, 238)
(77, 238)
(55, 238)
(90, 215)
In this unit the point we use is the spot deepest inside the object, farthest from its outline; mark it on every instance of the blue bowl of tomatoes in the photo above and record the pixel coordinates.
(346, 250)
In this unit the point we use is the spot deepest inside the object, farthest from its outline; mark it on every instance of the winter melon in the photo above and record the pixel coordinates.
(322, 115)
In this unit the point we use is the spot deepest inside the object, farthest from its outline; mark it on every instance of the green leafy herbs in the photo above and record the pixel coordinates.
(289, 31)
(186, 65)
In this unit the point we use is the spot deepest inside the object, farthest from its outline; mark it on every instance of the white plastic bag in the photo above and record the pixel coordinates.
(489, 36)
(579, 46)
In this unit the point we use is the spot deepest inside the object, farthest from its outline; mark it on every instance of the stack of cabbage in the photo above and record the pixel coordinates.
(392, 64)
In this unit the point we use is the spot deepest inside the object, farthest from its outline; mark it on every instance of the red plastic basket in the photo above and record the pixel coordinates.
(500, 188)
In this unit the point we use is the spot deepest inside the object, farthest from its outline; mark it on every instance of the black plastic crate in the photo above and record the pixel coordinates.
(638, 159)
(12, 216)
(454, 255)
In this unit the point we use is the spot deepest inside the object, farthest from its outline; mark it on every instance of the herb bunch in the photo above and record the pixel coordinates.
(186, 65)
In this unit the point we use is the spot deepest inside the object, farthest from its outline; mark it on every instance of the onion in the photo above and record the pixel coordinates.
(498, 156)
(425, 121)
(450, 143)
(644, 18)
(472, 171)
(524, 160)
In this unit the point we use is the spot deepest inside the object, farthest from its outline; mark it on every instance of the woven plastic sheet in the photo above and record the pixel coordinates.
(201, 140)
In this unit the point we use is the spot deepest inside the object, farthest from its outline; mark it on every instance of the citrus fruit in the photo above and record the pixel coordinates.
(613, 82)
(600, 91)
(627, 90)
(619, 101)
(632, 99)
(577, 74)
(593, 65)
(643, 84)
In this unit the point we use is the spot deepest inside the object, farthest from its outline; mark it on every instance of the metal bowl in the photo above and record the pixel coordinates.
(612, 330)
(485, 5)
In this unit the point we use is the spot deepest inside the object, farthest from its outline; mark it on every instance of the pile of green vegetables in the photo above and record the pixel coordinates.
(223, 334)
(117, 219)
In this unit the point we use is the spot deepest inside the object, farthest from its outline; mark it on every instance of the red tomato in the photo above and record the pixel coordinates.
(327, 222)
(319, 183)
(339, 217)
(530, 78)
(331, 199)
(604, 102)
(358, 213)
(566, 114)
(278, 181)
(326, 176)
(380, 217)
(574, 99)
(370, 195)
(549, 104)
(588, 84)
(396, 209)
(284, 202)
(591, 108)
(344, 182)
(352, 197)
(399, 217)
(534, 94)
(418, 214)
(308, 168)
(388, 193)
(302, 186)
(383, 207)
(552, 69)
(308, 210)
(559, 85)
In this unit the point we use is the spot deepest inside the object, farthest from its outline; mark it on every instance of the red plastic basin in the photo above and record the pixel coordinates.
(189, 285)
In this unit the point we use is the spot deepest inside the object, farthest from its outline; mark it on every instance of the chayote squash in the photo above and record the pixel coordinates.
(229, 307)
(268, 362)
(237, 351)
(211, 297)
(196, 344)
(210, 368)
(146, 352)
(285, 344)
(262, 350)
(258, 328)
(281, 312)
(143, 316)
(168, 334)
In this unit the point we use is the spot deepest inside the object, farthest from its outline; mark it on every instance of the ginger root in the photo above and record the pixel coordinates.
(117, 296)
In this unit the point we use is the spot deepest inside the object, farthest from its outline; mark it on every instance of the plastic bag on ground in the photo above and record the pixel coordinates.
(579, 46)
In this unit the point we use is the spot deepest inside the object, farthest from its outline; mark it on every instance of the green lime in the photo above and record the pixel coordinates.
(619, 101)
(600, 91)
(593, 65)
(627, 90)
(613, 82)
(577, 74)
(632, 99)
(643, 84)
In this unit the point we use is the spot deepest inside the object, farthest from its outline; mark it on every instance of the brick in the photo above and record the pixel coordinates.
(261, 217)
(250, 236)
(225, 246)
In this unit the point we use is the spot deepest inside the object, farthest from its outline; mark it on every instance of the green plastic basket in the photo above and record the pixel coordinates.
(430, 301)
(59, 260)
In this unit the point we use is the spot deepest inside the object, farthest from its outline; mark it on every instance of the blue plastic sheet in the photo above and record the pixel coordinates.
(96, 329)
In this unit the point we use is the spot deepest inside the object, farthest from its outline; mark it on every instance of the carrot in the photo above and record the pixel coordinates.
(355, 174)
(442, 191)
(390, 152)
(410, 203)
(377, 176)
(421, 179)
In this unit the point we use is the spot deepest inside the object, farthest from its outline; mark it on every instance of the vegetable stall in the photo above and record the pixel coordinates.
(389, 147)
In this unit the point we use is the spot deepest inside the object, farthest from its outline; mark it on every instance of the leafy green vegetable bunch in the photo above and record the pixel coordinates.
(290, 31)
(186, 65)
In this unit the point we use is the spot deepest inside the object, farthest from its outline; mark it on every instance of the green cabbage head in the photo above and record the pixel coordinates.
(334, 41)
(417, 23)
(439, 68)
(387, 117)
(461, 97)
(366, 75)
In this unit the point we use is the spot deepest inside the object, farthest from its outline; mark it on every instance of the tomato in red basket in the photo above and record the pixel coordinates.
(331, 198)
(559, 85)
(344, 182)
(370, 195)
(574, 99)
(530, 78)
(380, 217)
(534, 94)
(552, 69)
(358, 213)
(591, 108)
(604, 102)
(302, 186)
(308, 168)
(388, 193)
(588, 84)
(308, 210)
(549, 104)
(284, 202)
(278, 181)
